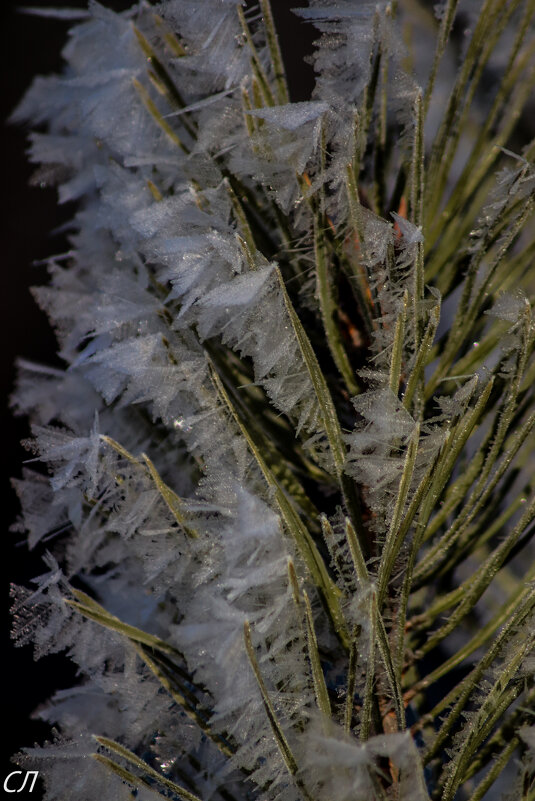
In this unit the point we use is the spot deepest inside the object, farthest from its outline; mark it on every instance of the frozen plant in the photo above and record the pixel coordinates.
(290, 454)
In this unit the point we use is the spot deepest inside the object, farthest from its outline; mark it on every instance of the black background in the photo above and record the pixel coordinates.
(31, 46)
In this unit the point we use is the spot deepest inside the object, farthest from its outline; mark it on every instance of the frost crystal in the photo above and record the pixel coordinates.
(267, 471)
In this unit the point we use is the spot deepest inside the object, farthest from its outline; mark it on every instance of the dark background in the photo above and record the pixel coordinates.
(30, 215)
(29, 45)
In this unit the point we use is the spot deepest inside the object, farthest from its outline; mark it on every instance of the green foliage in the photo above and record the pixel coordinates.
(407, 498)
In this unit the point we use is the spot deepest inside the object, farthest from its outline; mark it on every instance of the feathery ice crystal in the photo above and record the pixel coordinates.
(295, 495)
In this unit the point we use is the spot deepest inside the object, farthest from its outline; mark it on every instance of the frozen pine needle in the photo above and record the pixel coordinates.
(290, 454)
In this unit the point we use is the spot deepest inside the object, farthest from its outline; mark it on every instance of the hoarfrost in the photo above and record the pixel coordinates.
(177, 337)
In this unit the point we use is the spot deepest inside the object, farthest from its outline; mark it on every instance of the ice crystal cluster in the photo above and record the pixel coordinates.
(288, 497)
